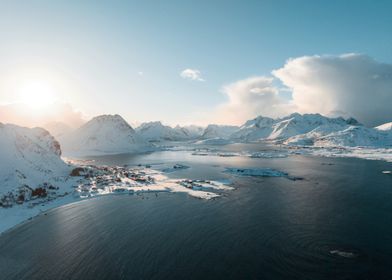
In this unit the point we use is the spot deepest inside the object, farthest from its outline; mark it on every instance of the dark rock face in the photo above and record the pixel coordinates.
(352, 121)
(77, 171)
(40, 192)
(56, 147)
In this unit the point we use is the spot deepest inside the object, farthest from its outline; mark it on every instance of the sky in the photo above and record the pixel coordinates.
(197, 62)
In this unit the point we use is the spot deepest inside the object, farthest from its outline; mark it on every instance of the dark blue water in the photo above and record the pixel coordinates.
(268, 228)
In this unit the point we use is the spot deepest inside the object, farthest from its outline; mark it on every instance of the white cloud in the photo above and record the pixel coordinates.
(251, 97)
(351, 84)
(191, 74)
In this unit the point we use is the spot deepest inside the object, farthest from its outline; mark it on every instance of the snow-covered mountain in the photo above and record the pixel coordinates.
(29, 157)
(156, 132)
(219, 131)
(192, 131)
(355, 136)
(314, 130)
(299, 129)
(106, 134)
(252, 130)
(385, 127)
(296, 124)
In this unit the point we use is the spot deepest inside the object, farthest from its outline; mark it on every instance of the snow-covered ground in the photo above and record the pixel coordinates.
(214, 141)
(353, 152)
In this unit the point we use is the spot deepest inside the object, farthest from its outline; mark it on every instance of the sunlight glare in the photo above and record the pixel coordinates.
(37, 94)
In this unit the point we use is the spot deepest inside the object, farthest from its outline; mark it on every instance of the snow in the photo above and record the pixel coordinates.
(314, 130)
(269, 154)
(214, 141)
(192, 131)
(29, 157)
(343, 254)
(353, 152)
(90, 181)
(355, 136)
(218, 131)
(295, 128)
(253, 130)
(157, 132)
(260, 172)
(106, 134)
(31, 160)
(385, 127)
(296, 124)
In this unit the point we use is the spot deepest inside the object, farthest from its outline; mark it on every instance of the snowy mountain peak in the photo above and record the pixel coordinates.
(106, 134)
(219, 131)
(385, 127)
(156, 131)
(106, 120)
(308, 125)
(259, 121)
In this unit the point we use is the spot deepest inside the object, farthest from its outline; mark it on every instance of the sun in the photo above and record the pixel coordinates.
(37, 94)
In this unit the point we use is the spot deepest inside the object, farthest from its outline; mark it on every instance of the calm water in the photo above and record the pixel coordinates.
(268, 228)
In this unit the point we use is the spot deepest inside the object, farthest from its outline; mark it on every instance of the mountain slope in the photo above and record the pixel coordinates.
(192, 131)
(293, 129)
(106, 134)
(156, 131)
(219, 131)
(253, 130)
(29, 156)
(296, 124)
(385, 127)
(355, 136)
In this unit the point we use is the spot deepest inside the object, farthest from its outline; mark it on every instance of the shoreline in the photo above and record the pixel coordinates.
(21, 213)
(89, 189)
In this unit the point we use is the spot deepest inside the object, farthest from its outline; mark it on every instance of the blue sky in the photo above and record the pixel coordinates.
(97, 48)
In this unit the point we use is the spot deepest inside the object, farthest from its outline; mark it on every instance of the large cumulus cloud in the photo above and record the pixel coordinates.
(351, 84)
(251, 97)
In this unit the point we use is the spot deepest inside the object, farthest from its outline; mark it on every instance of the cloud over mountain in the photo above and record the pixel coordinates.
(250, 97)
(350, 84)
